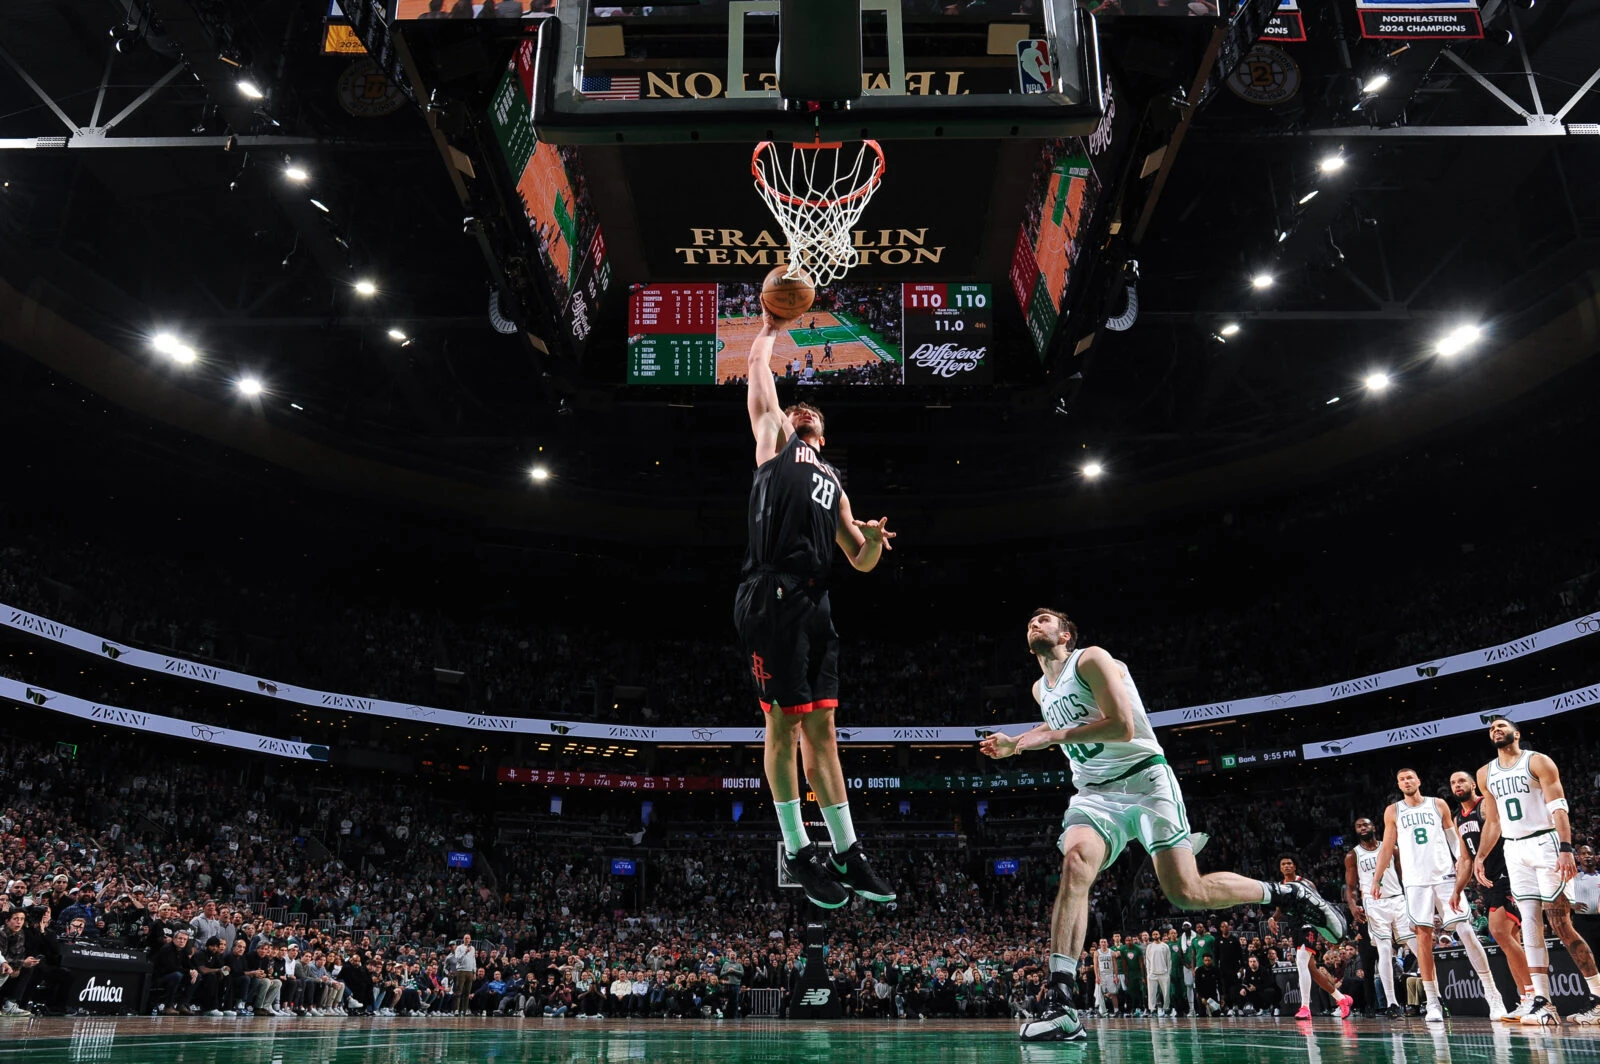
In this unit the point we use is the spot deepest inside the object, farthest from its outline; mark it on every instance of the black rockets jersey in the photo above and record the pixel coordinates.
(1494, 865)
(794, 512)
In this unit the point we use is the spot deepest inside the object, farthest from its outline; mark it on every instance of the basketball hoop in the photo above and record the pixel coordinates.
(817, 196)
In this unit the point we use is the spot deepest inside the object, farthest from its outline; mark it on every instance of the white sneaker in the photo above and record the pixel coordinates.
(1541, 1014)
(1497, 1008)
(11, 1008)
(1516, 1014)
(1435, 1013)
(1590, 1016)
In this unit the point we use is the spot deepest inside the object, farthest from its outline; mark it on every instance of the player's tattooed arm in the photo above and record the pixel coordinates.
(767, 422)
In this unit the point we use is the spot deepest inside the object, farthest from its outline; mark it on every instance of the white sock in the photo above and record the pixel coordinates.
(1430, 987)
(1386, 971)
(1541, 984)
(840, 826)
(1594, 984)
(1480, 964)
(795, 838)
(1060, 962)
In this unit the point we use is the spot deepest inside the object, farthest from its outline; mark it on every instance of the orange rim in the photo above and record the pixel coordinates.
(783, 197)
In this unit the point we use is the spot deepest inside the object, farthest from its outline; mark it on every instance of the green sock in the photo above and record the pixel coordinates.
(795, 838)
(840, 827)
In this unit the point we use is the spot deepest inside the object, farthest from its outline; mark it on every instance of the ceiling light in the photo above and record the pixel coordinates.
(249, 90)
(296, 173)
(1330, 402)
(1229, 329)
(1262, 280)
(1331, 164)
(397, 335)
(249, 386)
(539, 472)
(184, 355)
(165, 342)
(1308, 197)
(1375, 84)
(365, 287)
(1457, 340)
(1376, 382)
(1093, 469)
(297, 406)
(319, 205)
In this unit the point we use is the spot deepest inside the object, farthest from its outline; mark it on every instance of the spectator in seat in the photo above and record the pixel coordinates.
(1258, 988)
(207, 925)
(557, 996)
(487, 998)
(83, 908)
(173, 976)
(1207, 987)
(211, 989)
(48, 976)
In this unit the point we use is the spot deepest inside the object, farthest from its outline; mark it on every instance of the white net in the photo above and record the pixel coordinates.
(817, 192)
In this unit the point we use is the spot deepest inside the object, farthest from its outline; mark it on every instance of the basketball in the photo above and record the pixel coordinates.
(787, 297)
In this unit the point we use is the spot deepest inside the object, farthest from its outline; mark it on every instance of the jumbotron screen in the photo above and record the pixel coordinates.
(855, 333)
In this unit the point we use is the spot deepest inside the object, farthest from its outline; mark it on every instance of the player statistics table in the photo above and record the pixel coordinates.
(672, 334)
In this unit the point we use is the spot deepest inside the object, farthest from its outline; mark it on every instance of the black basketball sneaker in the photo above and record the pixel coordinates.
(1059, 1022)
(815, 876)
(1300, 900)
(852, 870)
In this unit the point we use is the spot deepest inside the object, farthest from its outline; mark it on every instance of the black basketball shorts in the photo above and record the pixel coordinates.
(791, 652)
(1499, 897)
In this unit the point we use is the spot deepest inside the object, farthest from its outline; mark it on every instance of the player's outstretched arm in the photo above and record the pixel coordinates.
(1548, 777)
(863, 542)
(1103, 676)
(1385, 852)
(767, 422)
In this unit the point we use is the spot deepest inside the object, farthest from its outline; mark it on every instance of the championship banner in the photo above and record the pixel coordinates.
(65, 635)
(1539, 709)
(155, 724)
(1418, 20)
(1286, 23)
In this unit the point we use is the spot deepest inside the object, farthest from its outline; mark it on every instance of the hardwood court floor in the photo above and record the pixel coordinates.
(132, 1040)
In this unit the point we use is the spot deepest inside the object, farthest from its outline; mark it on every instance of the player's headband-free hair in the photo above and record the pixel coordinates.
(1498, 717)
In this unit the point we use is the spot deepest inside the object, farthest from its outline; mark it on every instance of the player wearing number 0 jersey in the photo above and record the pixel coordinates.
(1125, 792)
(1421, 830)
(1525, 803)
(798, 511)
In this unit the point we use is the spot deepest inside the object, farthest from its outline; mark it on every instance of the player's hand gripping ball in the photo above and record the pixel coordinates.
(786, 298)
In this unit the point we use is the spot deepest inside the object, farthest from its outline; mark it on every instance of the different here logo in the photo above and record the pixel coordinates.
(102, 992)
(815, 996)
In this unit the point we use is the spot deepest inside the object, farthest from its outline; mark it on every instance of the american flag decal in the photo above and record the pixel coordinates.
(606, 87)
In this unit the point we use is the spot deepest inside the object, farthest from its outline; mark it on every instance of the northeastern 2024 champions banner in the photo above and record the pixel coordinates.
(1420, 19)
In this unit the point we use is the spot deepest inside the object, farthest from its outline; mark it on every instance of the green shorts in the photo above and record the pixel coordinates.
(1146, 805)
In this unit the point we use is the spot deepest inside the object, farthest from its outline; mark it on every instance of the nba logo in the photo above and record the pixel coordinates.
(1033, 67)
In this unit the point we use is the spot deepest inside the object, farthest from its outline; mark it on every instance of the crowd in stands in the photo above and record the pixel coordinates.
(268, 889)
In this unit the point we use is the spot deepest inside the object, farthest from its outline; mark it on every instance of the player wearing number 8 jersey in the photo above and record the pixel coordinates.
(798, 511)
(1421, 830)
(1125, 792)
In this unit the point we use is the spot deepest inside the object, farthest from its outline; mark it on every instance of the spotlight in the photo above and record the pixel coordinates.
(296, 173)
(319, 205)
(1457, 340)
(184, 355)
(249, 386)
(165, 342)
(397, 335)
(1093, 469)
(1308, 197)
(1262, 280)
(1331, 164)
(1330, 402)
(539, 472)
(1375, 84)
(250, 90)
(1229, 328)
(365, 287)
(1376, 382)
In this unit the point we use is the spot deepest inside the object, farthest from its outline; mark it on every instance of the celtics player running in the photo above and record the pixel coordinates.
(1421, 829)
(1125, 791)
(1524, 800)
(1383, 910)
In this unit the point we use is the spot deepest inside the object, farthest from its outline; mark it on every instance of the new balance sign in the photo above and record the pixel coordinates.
(817, 997)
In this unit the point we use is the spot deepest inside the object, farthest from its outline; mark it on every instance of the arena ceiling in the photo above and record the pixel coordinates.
(1450, 208)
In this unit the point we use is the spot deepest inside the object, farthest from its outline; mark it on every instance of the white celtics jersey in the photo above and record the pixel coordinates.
(1105, 962)
(1070, 704)
(1366, 864)
(1520, 798)
(1423, 844)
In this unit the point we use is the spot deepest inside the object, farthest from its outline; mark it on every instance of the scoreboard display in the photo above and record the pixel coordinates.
(947, 332)
(672, 334)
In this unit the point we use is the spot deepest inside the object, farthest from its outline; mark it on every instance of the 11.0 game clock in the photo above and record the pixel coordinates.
(947, 330)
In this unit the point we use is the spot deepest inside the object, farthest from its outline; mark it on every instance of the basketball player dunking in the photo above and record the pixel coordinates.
(1524, 800)
(1421, 830)
(1505, 920)
(798, 510)
(1383, 910)
(1125, 792)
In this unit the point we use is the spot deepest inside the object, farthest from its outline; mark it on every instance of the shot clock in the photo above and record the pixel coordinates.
(947, 333)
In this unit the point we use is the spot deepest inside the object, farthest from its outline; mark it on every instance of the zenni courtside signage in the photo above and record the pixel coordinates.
(1420, 19)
